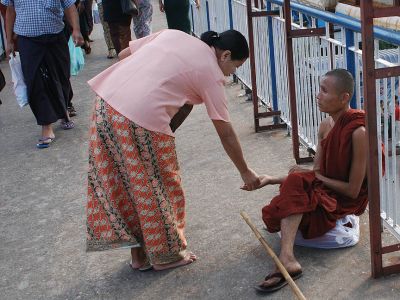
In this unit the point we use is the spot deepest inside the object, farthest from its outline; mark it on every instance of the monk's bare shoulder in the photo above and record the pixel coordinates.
(324, 127)
(359, 135)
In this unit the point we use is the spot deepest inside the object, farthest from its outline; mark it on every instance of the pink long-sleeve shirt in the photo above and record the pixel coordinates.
(165, 71)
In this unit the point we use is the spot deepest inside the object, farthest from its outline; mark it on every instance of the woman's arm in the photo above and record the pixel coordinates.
(232, 147)
(357, 170)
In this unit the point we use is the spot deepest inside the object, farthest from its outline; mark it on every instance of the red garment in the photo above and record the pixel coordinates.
(397, 113)
(302, 193)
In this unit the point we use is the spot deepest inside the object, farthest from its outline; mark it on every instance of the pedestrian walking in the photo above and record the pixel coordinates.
(45, 58)
(106, 31)
(119, 24)
(135, 195)
(177, 13)
(142, 22)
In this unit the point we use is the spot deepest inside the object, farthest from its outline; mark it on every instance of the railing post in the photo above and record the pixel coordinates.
(291, 79)
(252, 65)
(230, 14)
(191, 13)
(369, 83)
(208, 16)
(350, 59)
(272, 65)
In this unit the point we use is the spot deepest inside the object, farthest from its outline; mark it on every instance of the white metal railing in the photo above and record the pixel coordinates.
(314, 56)
(239, 16)
(199, 17)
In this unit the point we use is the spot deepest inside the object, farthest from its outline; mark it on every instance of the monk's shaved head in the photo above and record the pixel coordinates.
(344, 81)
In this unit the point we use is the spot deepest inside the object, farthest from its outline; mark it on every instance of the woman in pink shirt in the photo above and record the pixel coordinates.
(135, 197)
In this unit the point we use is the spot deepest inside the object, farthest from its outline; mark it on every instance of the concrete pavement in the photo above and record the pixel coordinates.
(42, 214)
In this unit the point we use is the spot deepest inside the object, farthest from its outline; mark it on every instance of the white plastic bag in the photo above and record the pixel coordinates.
(339, 237)
(95, 13)
(20, 89)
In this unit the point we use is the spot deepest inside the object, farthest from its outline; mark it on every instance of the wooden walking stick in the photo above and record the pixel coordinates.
(278, 263)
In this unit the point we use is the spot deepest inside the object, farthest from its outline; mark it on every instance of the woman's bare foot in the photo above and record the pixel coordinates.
(47, 131)
(138, 258)
(188, 259)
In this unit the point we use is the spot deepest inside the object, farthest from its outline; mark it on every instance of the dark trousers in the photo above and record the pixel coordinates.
(177, 13)
(120, 34)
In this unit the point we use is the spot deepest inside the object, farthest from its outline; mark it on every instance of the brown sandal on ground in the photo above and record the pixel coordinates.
(277, 285)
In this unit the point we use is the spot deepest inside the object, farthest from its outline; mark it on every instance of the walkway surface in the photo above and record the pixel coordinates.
(42, 214)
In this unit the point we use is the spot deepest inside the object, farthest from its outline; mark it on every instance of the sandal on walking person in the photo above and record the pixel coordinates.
(111, 53)
(71, 111)
(44, 142)
(66, 125)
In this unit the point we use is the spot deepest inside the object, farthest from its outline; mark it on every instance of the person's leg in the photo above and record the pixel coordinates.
(142, 22)
(163, 233)
(114, 33)
(138, 257)
(89, 16)
(289, 227)
(125, 35)
(177, 13)
(106, 31)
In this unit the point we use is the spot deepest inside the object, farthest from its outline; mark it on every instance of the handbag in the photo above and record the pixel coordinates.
(20, 89)
(129, 7)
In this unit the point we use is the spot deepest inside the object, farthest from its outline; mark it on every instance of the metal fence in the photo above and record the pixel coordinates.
(313, 56)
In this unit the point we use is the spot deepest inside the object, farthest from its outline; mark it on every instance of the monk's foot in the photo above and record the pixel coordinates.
(292, 266)
(188, 259)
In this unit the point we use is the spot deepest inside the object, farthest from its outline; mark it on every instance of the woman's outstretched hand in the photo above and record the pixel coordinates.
(263, 181)
(250, 179)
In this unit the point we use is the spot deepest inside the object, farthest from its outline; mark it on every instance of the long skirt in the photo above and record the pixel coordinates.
(135, 197)
(45, 63)
(142, 22)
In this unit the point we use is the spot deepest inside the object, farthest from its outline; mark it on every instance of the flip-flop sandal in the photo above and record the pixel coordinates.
(44, 142)
(67, 125)
(278, 285)
(71, 111)
(146, 266)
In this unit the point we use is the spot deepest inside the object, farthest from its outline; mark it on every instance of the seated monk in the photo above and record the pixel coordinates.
(312, 201)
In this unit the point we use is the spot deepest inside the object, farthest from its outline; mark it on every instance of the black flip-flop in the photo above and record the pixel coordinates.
(280, 284)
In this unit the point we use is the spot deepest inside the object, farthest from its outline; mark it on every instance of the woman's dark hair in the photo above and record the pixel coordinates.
(231, 40)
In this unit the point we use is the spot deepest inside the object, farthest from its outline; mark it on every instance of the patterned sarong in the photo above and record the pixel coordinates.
(135, 196)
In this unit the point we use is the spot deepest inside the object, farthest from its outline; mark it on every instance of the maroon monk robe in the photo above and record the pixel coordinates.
(303, 193)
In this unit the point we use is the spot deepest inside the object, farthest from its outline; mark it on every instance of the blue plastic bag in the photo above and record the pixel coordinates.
(76, 56)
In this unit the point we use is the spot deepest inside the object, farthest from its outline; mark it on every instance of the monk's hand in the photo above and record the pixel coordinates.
(297, 169)
(319, 176)
(250, 179)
